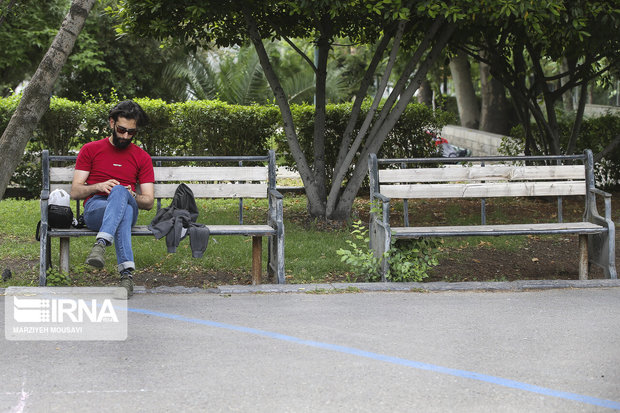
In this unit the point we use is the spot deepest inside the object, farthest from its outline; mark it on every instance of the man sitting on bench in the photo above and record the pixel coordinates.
(107, 173)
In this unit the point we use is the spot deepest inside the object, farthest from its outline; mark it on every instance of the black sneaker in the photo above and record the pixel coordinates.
(96, 256)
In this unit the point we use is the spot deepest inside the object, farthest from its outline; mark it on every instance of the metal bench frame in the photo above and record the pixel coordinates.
(274, 229)
(596, 232)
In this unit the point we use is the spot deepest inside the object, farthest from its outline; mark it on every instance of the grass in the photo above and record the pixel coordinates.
(310, 246)
(309, 251)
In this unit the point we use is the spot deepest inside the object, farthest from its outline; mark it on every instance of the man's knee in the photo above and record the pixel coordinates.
(119, 189)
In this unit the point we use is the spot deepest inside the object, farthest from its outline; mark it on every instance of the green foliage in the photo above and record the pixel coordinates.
(218, 128)
(206, 128)
(410, 259)
(28, 174)
(531, 44)
(25, 36)
(7, 107)
(60, 126)
(57, 278)
(595, 134)
(360, 257)
(102, 61)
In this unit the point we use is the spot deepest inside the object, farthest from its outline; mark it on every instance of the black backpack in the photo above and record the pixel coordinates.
(59, 212)
(59, 216)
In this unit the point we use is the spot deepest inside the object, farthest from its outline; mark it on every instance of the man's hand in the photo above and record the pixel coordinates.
(106, 186)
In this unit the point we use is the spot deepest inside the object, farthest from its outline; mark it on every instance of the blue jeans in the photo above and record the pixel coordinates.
(113, 216)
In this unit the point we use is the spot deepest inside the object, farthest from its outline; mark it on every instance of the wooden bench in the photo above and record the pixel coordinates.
(235, 180)
(488, 177)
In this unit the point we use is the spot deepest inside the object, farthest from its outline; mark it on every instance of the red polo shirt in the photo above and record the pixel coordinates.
(130, 166)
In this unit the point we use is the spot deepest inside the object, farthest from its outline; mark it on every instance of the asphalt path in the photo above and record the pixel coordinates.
(541, 350)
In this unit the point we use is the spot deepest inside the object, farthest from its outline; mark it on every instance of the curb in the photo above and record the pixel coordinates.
(508, 286)
(440, 286)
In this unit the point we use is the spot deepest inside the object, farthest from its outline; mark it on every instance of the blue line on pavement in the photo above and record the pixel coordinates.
(394, 360)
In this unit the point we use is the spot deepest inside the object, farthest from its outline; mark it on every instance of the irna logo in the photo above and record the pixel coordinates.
(61, 310)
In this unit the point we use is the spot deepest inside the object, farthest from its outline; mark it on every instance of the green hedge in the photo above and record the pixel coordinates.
(191, 128)
(208, 128)
(595, 134)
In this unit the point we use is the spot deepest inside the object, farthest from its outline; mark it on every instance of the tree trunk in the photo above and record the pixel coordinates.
(440, 34)
(339, 202)
(316, 203)
(320, 116)
(465, 93)
(359, 98)
(36, 97)
(425, 93)
(567, 98)
(350, 152)
(494, 111)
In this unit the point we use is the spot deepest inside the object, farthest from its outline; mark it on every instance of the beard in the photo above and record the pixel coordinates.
(118, 142)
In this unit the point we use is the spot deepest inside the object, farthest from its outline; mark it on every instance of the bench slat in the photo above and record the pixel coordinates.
(185, 173)
(215, 190)
(505, 229)
(250, 230)
(484, 190)
(479, 173)
(201, 190)
(58, 174)
(189, 173)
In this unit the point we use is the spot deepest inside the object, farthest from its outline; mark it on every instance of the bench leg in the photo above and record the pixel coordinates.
(583, 257)
(64, 255)
(44, 259)
(257, 259)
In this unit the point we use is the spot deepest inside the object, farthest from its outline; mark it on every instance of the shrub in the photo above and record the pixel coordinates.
(410, 259)
(209, 128)
(360, 257)
(595, 134)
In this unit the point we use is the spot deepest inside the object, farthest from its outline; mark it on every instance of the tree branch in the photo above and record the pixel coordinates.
(281, 100)
(401, 84)
(341, 171)
(608, 149)
(3, 16)
(376, 139)
(572, 141)
(360, 96)
(300, 52)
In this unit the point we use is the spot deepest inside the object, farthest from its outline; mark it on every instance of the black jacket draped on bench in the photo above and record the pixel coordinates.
(178, 221)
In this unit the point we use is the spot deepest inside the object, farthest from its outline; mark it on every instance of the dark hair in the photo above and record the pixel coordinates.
(129, 109)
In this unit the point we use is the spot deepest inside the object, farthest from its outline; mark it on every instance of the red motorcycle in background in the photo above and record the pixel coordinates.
(445, 149)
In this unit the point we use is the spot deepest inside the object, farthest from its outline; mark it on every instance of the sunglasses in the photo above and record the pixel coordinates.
(121, 131)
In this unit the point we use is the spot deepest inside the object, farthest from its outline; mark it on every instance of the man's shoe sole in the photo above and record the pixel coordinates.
(127, 283)
(96, 259)
(95, 263)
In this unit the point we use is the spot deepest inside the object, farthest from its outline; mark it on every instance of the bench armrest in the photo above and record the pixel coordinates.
(607, 201)
(274, 193)
(382, 197)
(276, 209)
